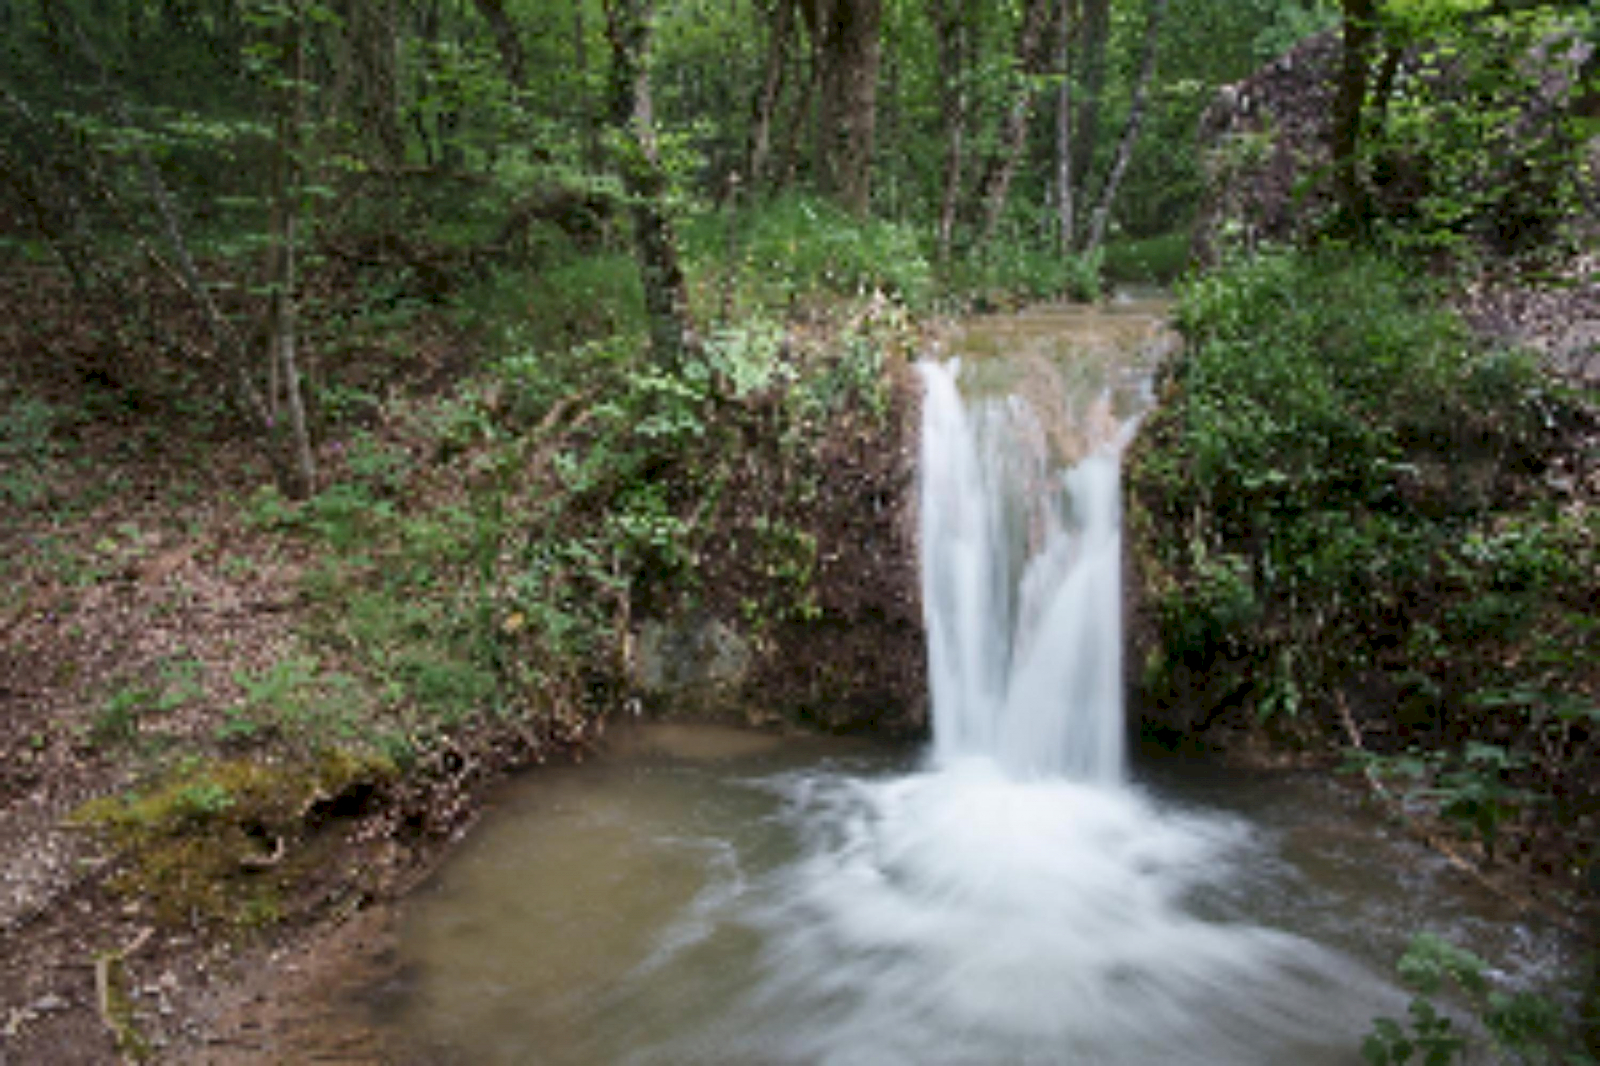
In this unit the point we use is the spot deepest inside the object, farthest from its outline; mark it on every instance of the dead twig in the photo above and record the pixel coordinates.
(110, 1000)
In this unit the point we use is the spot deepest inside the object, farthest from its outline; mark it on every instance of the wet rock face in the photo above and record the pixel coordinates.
(703, 662)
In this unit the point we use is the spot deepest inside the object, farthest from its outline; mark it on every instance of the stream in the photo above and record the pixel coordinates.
(1020, 891)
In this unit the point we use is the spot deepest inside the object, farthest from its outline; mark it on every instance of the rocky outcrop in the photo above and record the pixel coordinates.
(1265, 145)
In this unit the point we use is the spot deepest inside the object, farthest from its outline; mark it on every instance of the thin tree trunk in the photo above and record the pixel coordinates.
(1130, 131)
(593, 150)
(996, 187)
(1066, 223)
(804, 97)
(1360, 32)
(1086, 121)
(666, 297)
(765, 104)
(284, 324)
(370, 36)
(849, 52)
(513, 58)
(953, 30)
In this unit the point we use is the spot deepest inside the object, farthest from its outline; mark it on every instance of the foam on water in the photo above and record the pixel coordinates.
(964, 915)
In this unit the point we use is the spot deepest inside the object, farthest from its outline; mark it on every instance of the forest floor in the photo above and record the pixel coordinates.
(141, 602)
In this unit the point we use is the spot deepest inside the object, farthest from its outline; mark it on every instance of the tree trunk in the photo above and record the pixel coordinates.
(628, 25)
(289, 417)
(954, 32)
(1066, 222)
(1086, 121)
(593, 150)
(1360, 32)
(513, 58)
(370, 36)
(765, 104)
(846, 36)
(805, 77)
(1130, 131)
(1002, 167)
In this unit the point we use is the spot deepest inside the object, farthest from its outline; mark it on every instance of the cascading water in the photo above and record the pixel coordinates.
(1017, 901)
(1021, 589)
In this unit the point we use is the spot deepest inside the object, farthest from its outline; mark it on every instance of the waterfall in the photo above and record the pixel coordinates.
(1021, 586)
(1020, 897)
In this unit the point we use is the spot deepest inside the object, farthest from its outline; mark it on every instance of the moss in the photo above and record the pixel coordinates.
(219, 840)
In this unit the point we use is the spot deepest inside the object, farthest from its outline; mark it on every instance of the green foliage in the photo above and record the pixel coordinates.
(118, 717)
(178, 681)
(1341, 460)
(1480, 139)
(345, 514)
(1525, 1026)
(748, 356)
(587, 298)
(1468, 788)
(796, 248)
(1159, 260)
(1025, 270)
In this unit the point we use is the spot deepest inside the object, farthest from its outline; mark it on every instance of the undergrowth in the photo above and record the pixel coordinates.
(1359, 530)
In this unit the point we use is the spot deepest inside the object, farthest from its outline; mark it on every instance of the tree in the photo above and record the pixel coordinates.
(1360, 32)
(1032, 50)
(628, 26)
(847, 54)
(1455, 119)
(955, 32)
(779, 21)
(1130, 129)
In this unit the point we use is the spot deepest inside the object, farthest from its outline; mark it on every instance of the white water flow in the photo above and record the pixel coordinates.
(1017, 900)
(1021, 586)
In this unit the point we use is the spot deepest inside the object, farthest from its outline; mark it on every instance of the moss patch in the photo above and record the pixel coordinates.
(226, 840)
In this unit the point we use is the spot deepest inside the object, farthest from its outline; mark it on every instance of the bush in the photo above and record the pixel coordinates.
(1025, 270)
(1336, 502)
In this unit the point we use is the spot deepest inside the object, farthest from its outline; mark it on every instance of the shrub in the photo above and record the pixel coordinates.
(1335, 501)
